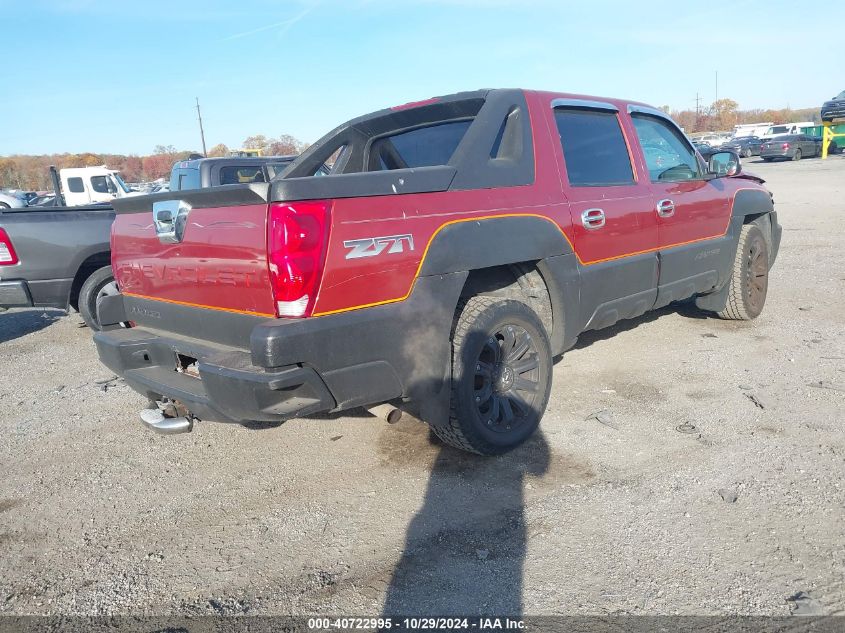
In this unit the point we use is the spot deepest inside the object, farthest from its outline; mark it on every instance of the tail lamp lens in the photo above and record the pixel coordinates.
(8, 256)
(785, 146)
(296, 245)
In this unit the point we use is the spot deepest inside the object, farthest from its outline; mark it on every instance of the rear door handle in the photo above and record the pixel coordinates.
(593, 219)
(665, 208)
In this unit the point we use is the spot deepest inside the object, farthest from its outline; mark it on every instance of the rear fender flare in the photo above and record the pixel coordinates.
(472, 244)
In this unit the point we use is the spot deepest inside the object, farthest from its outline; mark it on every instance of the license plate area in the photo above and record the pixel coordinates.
(187, 365)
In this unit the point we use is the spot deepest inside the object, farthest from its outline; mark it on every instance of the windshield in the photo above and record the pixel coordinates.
(841, 95)
(120, 182)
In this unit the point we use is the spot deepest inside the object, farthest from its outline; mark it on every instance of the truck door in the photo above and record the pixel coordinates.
(75, 192)
(692, 213)
(613, 225)
(102, 188)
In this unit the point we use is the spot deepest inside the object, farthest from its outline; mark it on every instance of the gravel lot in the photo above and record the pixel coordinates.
(332, 515)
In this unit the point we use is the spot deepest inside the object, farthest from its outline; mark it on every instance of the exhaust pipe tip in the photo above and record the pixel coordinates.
(386, 412)
(158, 422)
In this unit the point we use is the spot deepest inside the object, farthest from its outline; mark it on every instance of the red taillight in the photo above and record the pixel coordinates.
(785, 146)
(297, 234)
(8, 256)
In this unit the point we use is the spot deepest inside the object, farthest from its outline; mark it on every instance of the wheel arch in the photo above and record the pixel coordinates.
(522, 257)
(90, 264)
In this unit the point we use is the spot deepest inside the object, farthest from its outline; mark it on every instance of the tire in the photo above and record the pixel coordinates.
(797, 155)
(747, 153)
(3, 205)
(99, 283)
(750, 277)
(501, 376)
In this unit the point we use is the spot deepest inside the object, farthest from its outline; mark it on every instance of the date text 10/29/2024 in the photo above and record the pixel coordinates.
(416, 623)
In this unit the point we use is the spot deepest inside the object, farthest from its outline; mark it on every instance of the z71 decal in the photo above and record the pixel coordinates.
(372, 246)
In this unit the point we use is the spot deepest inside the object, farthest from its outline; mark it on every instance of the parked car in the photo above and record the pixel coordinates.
(9, 200)
(705, 150)
(835, 108)
(790, 147)
(458, 246)
(745, 146)
(56, 256)
(714, 140)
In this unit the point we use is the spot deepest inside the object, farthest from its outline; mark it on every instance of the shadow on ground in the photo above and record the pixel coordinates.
(465, 549)
(685, 309)
(19, 323)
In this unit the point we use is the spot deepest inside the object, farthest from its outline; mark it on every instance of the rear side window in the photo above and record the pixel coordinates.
(422, 147)
(75, 185)
(241, 174)
(594, 149)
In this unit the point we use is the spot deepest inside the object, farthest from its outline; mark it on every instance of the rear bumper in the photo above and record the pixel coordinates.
(14, 294)
(229, 388)
(277, 369)
(47, 293)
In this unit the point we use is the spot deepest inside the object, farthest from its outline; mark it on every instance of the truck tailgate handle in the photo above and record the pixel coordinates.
(665, 208)
(593, 218)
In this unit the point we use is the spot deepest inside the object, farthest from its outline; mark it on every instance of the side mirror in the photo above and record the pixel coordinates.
(724, 163)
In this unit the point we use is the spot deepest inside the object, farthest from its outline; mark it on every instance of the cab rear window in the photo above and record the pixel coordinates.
(422, 147)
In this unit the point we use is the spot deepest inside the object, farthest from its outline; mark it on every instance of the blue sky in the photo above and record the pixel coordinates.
(119, 76)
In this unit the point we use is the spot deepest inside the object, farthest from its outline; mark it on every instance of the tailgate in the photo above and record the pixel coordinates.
(203, 249)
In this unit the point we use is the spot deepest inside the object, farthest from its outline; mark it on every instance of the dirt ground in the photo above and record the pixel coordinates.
(348, 515)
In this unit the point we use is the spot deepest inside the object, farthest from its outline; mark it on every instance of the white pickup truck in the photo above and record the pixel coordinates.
(92, 185)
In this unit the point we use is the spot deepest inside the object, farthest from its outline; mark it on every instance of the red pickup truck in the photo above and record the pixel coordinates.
(458, 245)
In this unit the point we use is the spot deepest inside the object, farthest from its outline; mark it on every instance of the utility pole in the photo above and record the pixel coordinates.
(697, 112)
(202, 134)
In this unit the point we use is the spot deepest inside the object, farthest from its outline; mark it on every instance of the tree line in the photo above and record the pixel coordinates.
(31, 172)
(722, 115)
